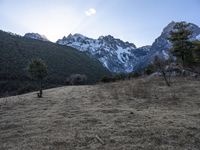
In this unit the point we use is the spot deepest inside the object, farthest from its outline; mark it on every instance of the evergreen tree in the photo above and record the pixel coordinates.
(182, 47)
(38, 70)
(196, 51)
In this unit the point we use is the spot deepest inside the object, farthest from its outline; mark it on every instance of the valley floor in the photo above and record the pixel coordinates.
(127, 115)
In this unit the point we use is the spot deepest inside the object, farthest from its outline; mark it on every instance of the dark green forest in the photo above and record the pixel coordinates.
(16, 52)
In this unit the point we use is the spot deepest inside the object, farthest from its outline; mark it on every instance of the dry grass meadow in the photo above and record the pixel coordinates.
(126, 115)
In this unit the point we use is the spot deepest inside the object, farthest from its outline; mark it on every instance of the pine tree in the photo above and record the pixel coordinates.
(181, 46)
(196, 51)
(38, 70)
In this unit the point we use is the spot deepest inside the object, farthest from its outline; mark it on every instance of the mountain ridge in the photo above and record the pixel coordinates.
(119, 56)
(115, 54)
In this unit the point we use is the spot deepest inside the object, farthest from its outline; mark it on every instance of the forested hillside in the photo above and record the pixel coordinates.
(62, 61)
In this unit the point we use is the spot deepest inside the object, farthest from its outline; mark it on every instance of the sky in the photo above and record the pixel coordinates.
(137, 21)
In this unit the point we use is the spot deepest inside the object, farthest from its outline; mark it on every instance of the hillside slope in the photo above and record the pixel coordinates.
(135, 114)
(16, 53)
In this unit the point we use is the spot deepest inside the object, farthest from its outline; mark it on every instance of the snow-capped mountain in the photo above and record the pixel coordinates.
(114, 54)
(36, 36)
(119, 56)
(162, 45)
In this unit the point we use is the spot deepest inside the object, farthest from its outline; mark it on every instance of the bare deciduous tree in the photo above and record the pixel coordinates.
(161, 65)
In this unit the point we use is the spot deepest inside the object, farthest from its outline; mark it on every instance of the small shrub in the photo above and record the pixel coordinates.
(150, 69)
(77, 79)
(134, 75)
(107, 79)
(121, 76)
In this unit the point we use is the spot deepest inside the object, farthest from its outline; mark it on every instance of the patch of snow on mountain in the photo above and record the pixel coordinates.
(120, 51)
(104, 61)
(198, 37)
(165, 54)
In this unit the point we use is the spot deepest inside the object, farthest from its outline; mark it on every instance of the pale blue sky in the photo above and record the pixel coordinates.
(136, 21)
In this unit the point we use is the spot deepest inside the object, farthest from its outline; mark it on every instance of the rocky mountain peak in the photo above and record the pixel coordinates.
(113, 53)
(36, 36)
(166, 31)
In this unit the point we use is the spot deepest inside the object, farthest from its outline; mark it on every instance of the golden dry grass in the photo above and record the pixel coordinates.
(127, 115)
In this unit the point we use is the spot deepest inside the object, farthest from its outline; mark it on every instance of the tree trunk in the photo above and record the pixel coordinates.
(165, 78)
(183, 60)
(40, 91)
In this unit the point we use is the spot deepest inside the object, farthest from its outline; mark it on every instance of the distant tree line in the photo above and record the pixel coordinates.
(120, 76)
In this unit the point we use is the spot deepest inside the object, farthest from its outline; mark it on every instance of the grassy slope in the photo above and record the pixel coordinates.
(136, 114)
(16, 53)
